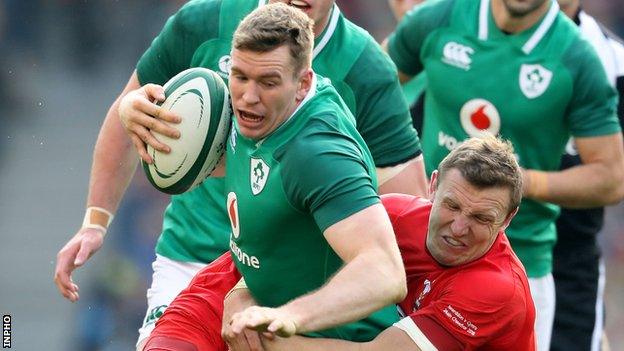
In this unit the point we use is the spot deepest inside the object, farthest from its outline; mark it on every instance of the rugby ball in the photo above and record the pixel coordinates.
(201, 99)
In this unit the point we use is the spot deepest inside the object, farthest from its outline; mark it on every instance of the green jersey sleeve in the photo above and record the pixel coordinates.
(172, 50)
(406, 42)
(383, 114)
(593, 108)
(326, 174)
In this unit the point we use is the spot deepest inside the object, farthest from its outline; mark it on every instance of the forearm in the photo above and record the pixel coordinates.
(370, 281)
(583, 186)
(114, 164)
(301, 343)
(391, 339)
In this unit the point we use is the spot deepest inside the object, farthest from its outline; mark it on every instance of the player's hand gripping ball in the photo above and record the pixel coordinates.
(201, 98)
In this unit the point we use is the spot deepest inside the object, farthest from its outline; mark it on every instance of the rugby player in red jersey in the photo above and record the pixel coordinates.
(467, 290)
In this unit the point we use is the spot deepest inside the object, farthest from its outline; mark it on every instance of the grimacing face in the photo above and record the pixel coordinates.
(465, 220)
(317, 10)
(264, 89)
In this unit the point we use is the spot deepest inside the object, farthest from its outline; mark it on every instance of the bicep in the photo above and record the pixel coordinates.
(407, 178)
(367, 229)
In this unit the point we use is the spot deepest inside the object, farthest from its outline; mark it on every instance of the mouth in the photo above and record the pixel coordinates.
(452, 242)
(301, 5)
(249, 117)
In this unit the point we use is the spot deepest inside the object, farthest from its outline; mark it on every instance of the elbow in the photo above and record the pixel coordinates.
(400, 289)
(397, 287)
(389, 281)
(614, 192)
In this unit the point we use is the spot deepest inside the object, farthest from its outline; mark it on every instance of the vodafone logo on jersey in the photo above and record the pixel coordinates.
(480, 117)
(232, 210)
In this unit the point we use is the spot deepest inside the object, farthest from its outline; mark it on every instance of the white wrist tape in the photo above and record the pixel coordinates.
(97, 218)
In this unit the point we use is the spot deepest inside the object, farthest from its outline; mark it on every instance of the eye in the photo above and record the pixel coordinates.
(452, 206)
(240, 77)
(483, 219)
(269, 84)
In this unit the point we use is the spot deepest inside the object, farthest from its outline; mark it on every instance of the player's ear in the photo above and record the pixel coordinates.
(509, 217)
(433, 184)
(304, 83)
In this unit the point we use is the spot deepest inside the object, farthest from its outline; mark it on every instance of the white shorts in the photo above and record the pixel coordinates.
(543, 293)
(170, 277)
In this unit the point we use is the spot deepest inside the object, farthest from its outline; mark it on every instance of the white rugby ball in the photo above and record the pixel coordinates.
(201, 98)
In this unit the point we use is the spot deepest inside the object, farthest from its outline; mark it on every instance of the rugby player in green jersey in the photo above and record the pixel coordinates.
(521, 70)
(309, 235)
(195, 227)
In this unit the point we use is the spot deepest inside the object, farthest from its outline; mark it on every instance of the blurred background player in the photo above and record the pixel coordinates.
(538, 57)
(309, 234)
(414, 89)
(195, 227)
(457, 259)
(578, 268)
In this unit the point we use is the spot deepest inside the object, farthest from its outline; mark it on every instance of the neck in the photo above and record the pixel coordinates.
(570, 8)
(514, 23)
(320, 26)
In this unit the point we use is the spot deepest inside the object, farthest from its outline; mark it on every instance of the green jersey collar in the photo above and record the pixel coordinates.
(323, 39)
(534, 39)
(328, 32)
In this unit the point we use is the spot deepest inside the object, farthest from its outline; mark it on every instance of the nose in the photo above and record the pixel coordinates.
(460, 225)
(250, 94)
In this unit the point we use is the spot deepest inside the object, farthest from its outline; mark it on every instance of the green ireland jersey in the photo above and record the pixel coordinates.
(286, 189)
(195, 226)
(535, 88)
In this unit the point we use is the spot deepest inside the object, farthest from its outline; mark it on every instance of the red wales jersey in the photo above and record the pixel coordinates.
(483, 305)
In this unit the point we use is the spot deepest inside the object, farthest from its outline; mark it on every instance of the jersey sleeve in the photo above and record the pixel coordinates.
(172, 50)
(468, 315)
(406, 42)
(332, 181)
(618, 50)
(592, 109)
(382, 113)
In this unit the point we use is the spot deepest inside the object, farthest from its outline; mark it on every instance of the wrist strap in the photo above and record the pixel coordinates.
(538, 184)
(97, 218)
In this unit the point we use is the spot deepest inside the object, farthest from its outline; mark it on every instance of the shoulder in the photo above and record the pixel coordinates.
(435, 11)
(322, 136)
(372, 60)
(486, 285)
(402, 205)
(497, 279)
(195, 15)
(577, 47)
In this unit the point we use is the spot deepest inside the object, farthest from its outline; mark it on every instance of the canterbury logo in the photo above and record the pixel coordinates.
(457, 55)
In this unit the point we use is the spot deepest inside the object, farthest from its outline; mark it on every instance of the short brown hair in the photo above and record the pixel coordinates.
(486, 162)
(271, 26)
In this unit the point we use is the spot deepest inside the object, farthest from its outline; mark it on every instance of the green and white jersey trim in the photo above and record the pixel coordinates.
(329, 31)
(531, 43)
